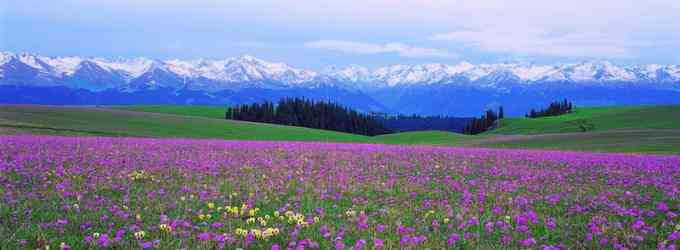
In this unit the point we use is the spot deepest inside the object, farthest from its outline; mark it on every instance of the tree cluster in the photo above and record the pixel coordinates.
(485, 122)
(555, 109)
(310, 114)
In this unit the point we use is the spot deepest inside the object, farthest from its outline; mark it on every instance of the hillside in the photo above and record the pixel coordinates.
(112, 122)
(189, 110)
(596, 119)
(620, 129)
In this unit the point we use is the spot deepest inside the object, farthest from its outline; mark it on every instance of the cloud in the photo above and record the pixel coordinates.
(541, 43)
(372, 48)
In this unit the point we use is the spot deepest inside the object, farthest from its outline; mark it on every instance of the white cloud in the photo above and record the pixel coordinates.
(372, 48)
(541, 43)
(637, 29)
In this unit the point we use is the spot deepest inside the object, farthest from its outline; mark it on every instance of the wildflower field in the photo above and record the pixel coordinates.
(127, 193)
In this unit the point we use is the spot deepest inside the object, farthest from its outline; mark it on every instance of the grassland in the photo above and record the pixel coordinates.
(596, 119)
(200, 111)
(113, 122)
(618, 129)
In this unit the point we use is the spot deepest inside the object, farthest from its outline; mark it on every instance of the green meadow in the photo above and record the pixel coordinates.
(644, 129)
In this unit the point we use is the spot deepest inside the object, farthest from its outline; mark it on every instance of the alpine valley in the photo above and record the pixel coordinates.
(461, 89)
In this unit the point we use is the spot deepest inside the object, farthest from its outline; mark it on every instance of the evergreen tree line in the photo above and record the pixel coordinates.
(404, 123)
(556, 108)
(485, 122)
(310, 114)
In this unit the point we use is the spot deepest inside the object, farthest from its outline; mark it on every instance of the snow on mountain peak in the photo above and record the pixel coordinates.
(598, 70)
(30, 60)
(5, 57)
(351, 73)
(132, 68)
(246, 69)
(63, 65)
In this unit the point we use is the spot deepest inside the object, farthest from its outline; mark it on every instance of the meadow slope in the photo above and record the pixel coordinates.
(618, 129)
(113, 122)
(596, 119)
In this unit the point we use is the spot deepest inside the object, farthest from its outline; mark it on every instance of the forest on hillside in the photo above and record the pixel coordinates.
(311, 114)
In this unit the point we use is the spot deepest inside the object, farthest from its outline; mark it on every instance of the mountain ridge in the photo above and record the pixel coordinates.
(462, 89)
(246, 70)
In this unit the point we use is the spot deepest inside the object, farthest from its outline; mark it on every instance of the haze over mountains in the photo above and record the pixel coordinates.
(461, 89)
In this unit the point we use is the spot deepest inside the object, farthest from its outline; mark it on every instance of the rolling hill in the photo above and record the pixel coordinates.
(215, 112)
(596, 119)
(645, 129)
(113, 122)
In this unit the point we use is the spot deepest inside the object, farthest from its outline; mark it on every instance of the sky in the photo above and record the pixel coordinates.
(315, 34)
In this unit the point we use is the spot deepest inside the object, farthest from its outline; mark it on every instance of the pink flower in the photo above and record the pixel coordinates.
(453, 238)
(377, 243)
(380, 228)
(205, 236)
(339, 245)
(528, 242)
(661, 206)
(103, 241)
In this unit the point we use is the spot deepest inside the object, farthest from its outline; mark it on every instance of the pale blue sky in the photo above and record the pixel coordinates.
(314, 34)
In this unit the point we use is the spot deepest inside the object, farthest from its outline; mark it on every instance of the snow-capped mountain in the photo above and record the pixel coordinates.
(389, 86)
(248, 71)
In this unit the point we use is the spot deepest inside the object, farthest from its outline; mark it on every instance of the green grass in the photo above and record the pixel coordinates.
(200, 111)
(611, 129)
(653, 141)
(596, 119)
(112, 122)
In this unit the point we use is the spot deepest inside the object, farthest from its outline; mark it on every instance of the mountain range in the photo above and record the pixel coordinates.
(461, 89)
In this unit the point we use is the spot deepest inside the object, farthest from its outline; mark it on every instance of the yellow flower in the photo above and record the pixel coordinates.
(140, 235)
(165, 228)
(276, 213)
(241, 232)
(250, 220)
(138, 217)
(677, 227)
(257, 233)
(253, 212)
(446, 220)
(507, 219)
(201, 217)
(267, 233)
(316, 219)
(211, 205)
